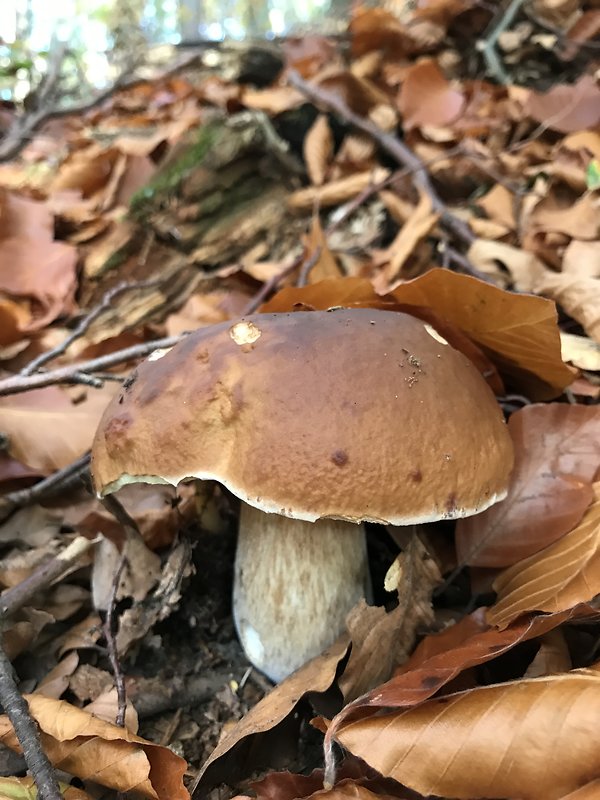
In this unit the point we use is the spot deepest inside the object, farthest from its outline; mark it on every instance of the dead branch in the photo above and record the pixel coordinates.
(66, 478)
(26, 125)
(86, 322)
(73, 372)
(17, 711)
(392, 145)
(17, 596)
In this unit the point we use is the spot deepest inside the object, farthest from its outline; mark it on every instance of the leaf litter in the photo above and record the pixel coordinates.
(417, 173)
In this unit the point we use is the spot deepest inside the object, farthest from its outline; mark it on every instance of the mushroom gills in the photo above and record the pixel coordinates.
(294, 584)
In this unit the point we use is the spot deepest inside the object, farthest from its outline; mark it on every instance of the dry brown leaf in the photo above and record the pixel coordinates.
(382, 641)
(318, 149)
(335, 192)
(580, 297)
(566, 108)
(582, 259)
(25, 789)
(433, 748)
(591, 791)
(315, 676)
(580, 220)
(14, 319)
(558, 578)
(557, 453)
(88, 170)
(580, 351)
(94, 750)
(139, 576)
(46, 430)
(34, 267)
(519, 333)
(440, 658)
(420, 223)
(317, 249)
(273, 100)
(427, 98)
(499, 205)
(553, 656)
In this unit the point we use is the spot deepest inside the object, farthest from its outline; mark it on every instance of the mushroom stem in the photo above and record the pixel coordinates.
(294, 584)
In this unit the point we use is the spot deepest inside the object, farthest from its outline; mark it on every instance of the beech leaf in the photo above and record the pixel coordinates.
(94, 750)
(533, 739)
(558, 578)
(518, 332)
(557, 453)
(318, 149)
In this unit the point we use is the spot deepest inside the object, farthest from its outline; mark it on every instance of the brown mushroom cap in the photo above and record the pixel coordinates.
(352, 414)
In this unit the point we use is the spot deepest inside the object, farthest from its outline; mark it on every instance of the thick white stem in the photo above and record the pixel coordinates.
(294, 584)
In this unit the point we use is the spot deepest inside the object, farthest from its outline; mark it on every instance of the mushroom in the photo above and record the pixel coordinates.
(318, 421)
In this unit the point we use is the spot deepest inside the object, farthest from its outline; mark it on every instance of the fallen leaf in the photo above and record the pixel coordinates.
(33, 266)
(382, 641)
(433, 748)
(25, 789)
(557, 453)
(557, 578)
(442, 657)
(419, 225)
(139, 575)
(317, 251)
(427, 98)
(581, 219)
(335, 192)
(552, 657)
(318, 149)
(582, 259)
(566, 108)
(46, 430)
(94, 750)
(315, 676)
(518, 333)
(580, 351)
(580, 297)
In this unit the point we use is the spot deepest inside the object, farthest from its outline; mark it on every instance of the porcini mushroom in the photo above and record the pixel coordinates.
(318, 421)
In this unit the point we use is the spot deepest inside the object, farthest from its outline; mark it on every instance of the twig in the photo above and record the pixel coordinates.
(307, 266)
(487, 45)
(69, 374)
(392, 145)
(63, 479)
(268, 287)
(23, 128)
(85, 323)
(17, 711)
(17, 596)
(14, 704)
(109, 635)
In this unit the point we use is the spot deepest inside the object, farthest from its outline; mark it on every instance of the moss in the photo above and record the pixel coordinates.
(168, 179)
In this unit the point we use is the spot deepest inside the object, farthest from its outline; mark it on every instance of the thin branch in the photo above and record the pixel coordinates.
(70, 374)
(270, 286)
(487, 46)
(26, 125)
(17, 596)
(392, 145)
(26, 730)
(64, 478)
(104, 305)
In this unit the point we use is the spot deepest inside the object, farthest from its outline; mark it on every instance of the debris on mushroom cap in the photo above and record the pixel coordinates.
(353, 414)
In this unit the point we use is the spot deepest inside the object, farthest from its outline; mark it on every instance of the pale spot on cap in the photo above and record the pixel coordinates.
(245, 332)
(432, 332)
